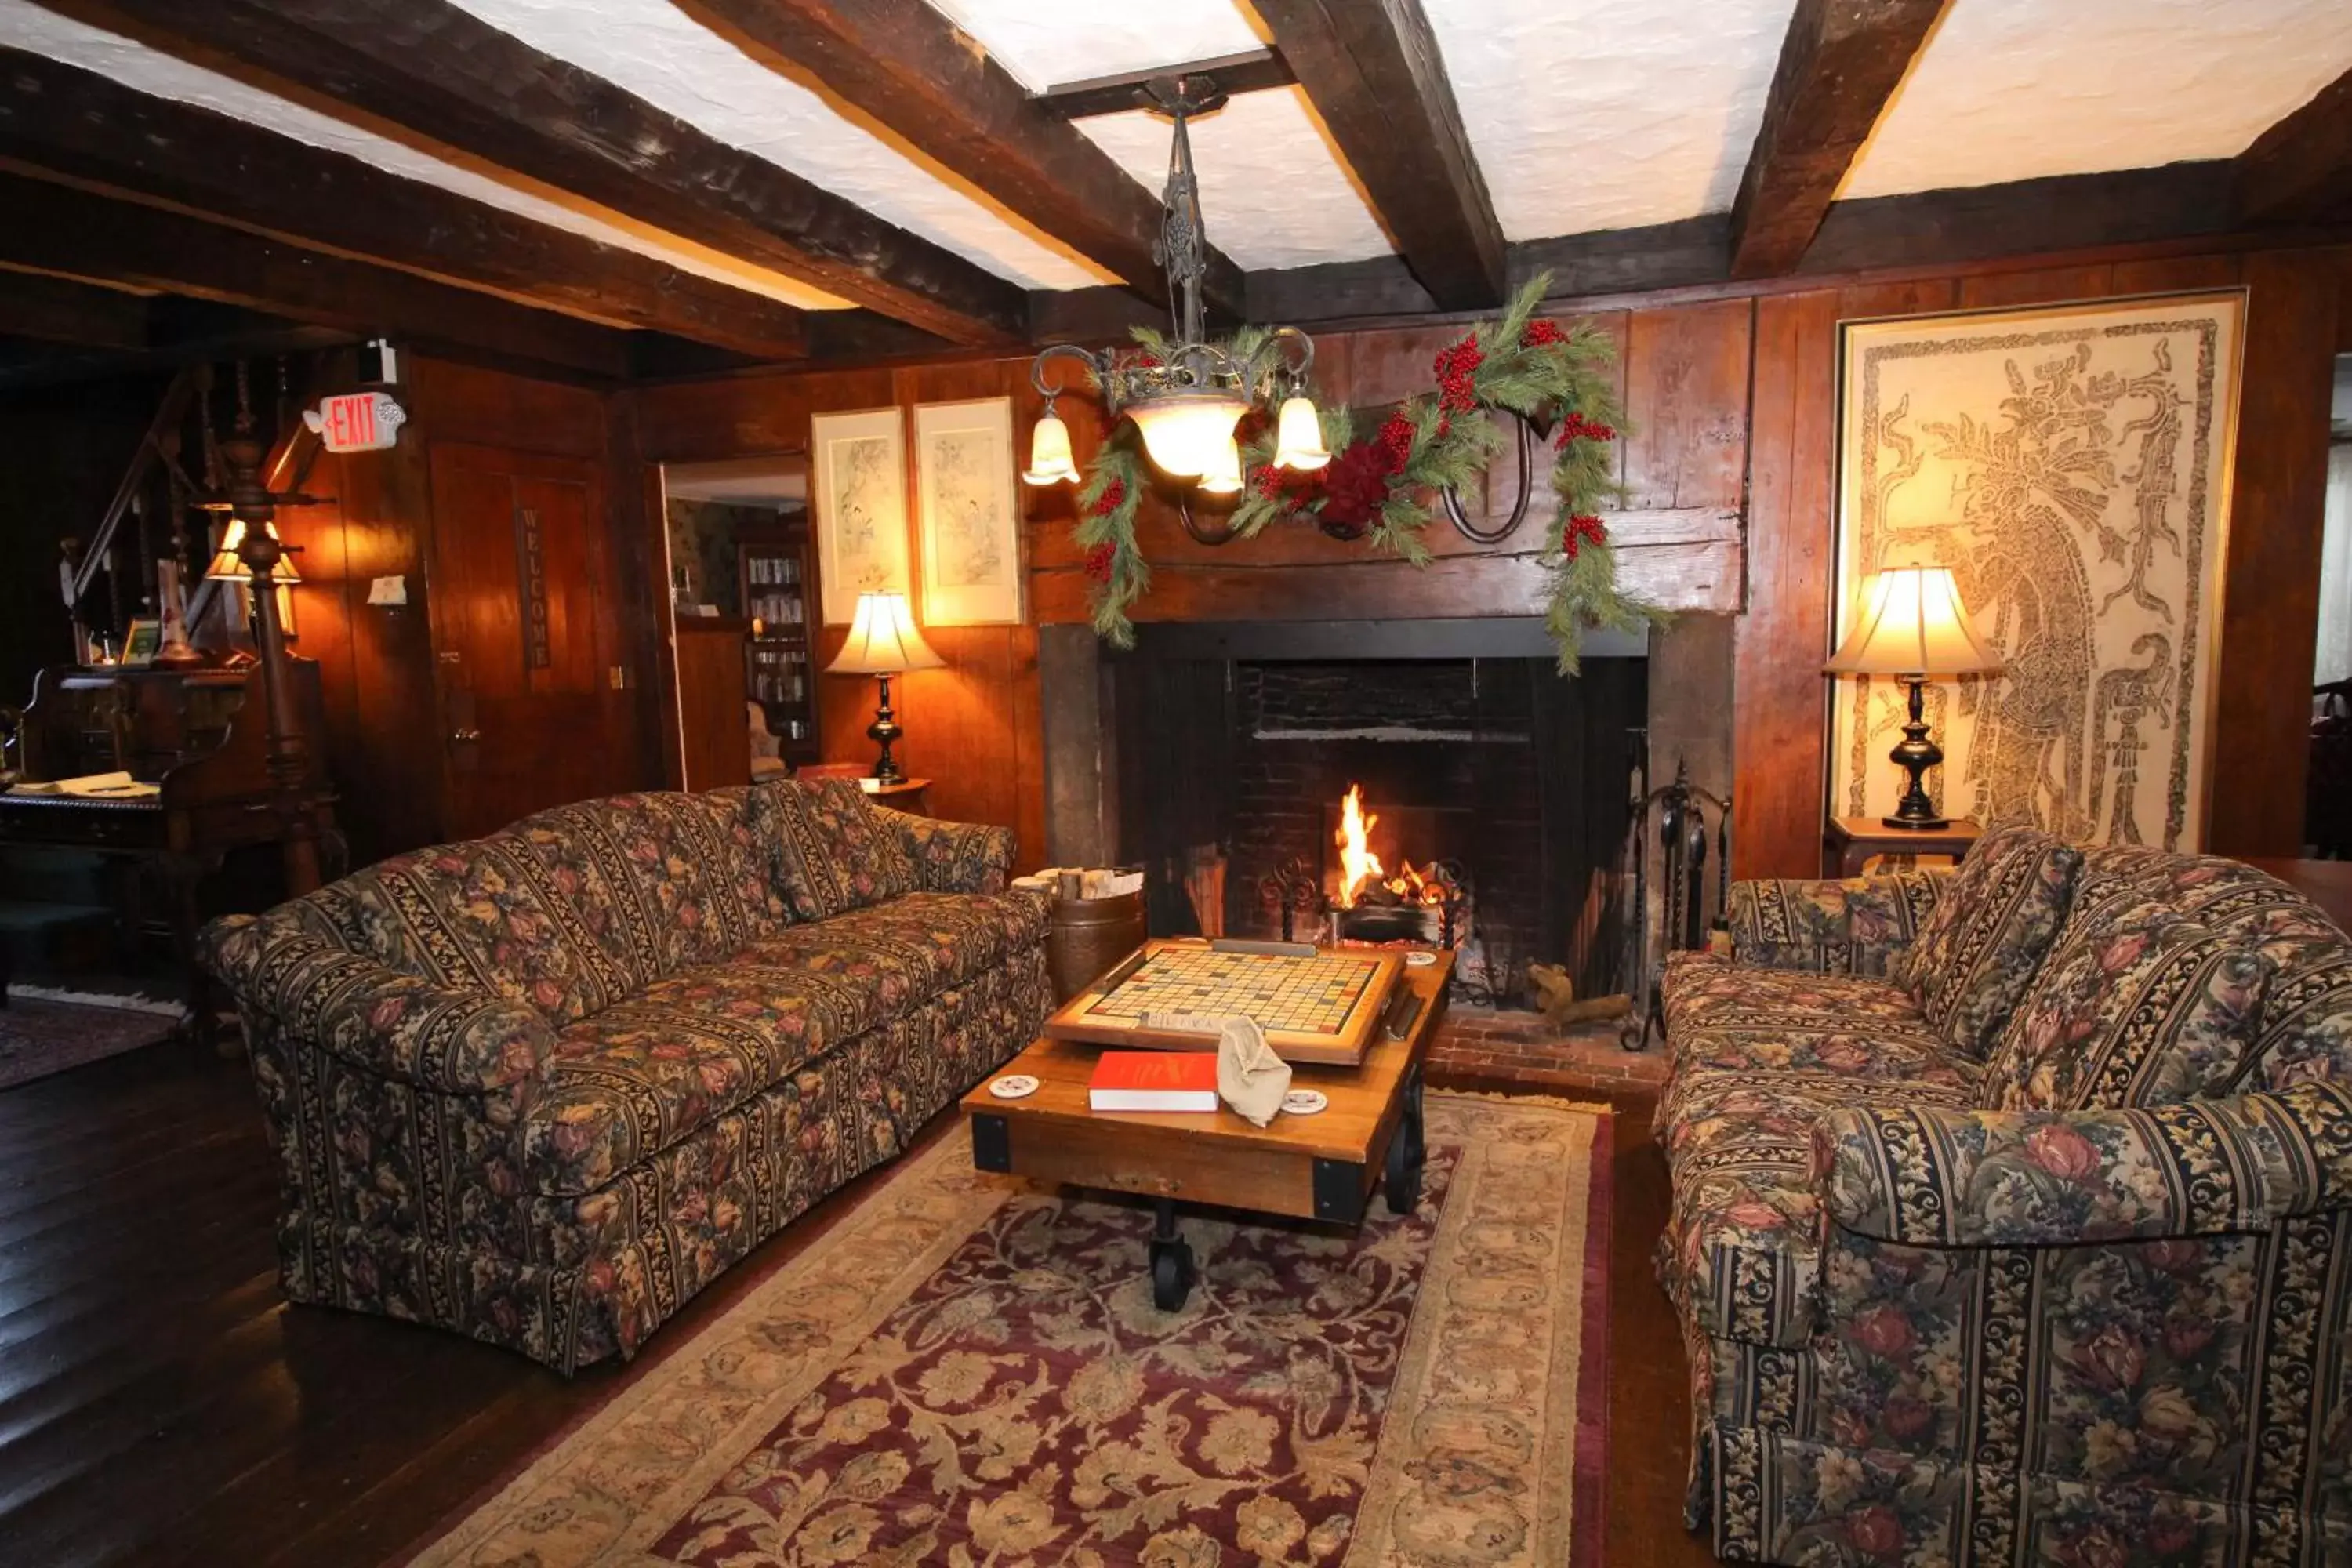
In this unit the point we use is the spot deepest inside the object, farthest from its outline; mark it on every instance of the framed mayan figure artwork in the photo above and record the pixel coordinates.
(968, 515)
(860, 461)
(2071, 465)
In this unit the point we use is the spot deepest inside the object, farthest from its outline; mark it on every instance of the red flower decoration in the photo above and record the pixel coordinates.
(1542, 334)
(1577, 428)
(1582, 527)
(1109, 502)
(1098, 560)
(1356, 484)
(1457, 367)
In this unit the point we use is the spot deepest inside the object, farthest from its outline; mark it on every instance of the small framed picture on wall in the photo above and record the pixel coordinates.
(968, 515)
(861, 507)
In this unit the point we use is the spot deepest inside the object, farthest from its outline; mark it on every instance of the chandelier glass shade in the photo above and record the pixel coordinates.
(1188, 399)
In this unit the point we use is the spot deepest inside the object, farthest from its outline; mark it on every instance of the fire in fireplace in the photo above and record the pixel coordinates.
(1426, 903)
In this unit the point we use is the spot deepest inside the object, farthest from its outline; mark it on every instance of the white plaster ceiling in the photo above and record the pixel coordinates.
(133, 65)
(1593, 114)
(2015, 89)
(1583, 114)
(679, 65)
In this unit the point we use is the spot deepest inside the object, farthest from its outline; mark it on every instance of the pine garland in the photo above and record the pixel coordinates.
(1382, 489)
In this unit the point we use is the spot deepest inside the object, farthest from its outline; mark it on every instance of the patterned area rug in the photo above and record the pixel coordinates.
(968, 1372)
(38, 1038)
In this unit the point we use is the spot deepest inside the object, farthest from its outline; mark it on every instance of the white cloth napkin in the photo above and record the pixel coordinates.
(1250, 1076)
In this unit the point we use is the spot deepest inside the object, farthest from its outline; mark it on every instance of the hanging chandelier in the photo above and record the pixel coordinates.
(1188, 403)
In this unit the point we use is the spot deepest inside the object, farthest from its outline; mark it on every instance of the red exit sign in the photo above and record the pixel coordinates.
(357, 421)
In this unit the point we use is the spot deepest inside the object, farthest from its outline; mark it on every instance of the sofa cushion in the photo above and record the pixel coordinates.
(1741, 1253)
(1734, 1017)
(912, 947)
(832, 851)
(489, 916)
(1856, 926)
(647, 1071)
(633, 1079)
(664, 881)
(1980, 948)
(2135, 1005)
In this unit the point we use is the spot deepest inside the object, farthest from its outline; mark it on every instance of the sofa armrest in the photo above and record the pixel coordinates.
(1851, 927)
(1991, 1178)
(953, 856)
(377, 1018)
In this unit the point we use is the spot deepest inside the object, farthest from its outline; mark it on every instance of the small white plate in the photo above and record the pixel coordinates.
(1419, 959)
(1305, 1101)
(1013, 1086)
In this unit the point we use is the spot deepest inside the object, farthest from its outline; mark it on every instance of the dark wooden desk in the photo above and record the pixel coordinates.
(201, 736)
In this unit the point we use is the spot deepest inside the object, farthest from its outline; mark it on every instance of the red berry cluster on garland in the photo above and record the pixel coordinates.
(1395, 441)
(1576, 427)
(1099, 561)
(1456, 393)
(1113, 494)
(1582, 527)
(1541, 334)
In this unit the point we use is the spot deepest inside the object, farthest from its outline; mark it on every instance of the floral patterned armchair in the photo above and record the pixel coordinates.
(543, 1087)
(2013, 1215)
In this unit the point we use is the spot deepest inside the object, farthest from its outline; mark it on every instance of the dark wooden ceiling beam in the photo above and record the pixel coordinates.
(1372, 71)
(60, 121)
(1839, 65)
(911, 72)
(59, 230)
(2300, 170)
(63, 310)
(448, 79)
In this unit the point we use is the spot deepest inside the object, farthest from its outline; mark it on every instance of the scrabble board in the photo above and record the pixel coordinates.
(1323, 1006)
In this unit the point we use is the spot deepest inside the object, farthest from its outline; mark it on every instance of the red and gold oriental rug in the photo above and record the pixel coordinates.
(968, 1372)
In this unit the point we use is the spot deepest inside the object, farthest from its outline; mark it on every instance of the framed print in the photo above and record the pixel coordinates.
(967, 513)
(2071, 465)
(861, 505)
(141, 638)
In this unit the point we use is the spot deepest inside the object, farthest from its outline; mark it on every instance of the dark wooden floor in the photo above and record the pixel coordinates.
(159, 1404)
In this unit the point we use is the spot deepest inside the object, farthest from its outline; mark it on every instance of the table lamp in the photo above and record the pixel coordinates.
(1913, 626)
(883, 642)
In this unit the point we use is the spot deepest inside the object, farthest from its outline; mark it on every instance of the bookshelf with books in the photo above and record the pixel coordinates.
(778, 577)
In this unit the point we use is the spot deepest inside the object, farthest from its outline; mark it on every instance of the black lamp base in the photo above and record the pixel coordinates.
(1916, 753)
(885, 730)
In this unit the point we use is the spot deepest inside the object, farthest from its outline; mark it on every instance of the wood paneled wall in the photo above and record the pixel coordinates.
(972, 728)
(1728, 475)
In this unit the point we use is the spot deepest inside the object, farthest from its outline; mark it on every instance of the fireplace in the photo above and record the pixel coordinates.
(1261, 772)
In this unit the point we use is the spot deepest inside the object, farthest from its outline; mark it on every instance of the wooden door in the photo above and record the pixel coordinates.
(525, 635)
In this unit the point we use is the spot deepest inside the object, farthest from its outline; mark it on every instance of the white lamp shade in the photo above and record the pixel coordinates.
(1186, 432)
(1049, 454)
(883, 639)
(1223, 476)
(1299, 437)
(1913, 623)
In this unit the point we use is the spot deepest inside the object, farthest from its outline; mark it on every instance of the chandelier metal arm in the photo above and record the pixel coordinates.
(1461, 519)
(1224, 534)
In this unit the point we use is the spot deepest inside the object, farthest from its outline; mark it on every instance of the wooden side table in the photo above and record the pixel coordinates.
(906, 795)
(1853, 840)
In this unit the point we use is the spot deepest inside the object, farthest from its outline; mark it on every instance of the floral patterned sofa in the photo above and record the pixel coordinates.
(543, 1087)
(2012, 1215)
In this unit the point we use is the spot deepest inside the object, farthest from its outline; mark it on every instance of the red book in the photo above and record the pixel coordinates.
(1154, 1080)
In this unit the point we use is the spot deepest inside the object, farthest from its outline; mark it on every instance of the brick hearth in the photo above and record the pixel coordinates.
(1519, 1047)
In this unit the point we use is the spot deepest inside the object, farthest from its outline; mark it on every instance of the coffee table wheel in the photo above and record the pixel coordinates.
(1171, 1261)
(1402, 1179)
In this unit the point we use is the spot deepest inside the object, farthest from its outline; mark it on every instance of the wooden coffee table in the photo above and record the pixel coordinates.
(1320, 1167)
